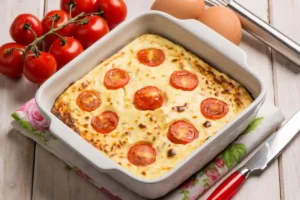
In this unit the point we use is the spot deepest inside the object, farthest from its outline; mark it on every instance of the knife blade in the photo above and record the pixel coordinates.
(267, 153)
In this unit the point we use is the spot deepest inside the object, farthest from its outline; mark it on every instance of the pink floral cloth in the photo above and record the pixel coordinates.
(33, 115)
(31, 123)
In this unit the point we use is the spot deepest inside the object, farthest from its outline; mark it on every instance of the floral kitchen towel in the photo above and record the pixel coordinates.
(31, 123)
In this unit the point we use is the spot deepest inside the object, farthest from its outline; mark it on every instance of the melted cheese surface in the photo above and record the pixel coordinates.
(151, 126)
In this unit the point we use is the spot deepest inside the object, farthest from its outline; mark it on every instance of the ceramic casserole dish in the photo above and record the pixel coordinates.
(191, 35)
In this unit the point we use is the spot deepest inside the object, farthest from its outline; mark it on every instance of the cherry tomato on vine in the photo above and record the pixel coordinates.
(79, 6)
(114, 11)
(88, 33)
(11, 60)
(65, 50)
(23, 28)
(60, 18)
(38, 69)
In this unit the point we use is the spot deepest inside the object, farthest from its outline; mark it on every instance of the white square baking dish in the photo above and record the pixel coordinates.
(193, 36)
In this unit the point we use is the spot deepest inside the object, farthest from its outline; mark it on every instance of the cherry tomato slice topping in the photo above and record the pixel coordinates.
(88, 100)
(151, 57)
(116, 78)
(141, 154)
(184, 80)
(106, 122)
(212, 108)
(148, 98)
(181, 132)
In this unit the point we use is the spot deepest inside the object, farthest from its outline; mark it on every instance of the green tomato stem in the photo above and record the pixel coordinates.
(54, 30)
(28, 27)
(10, 50)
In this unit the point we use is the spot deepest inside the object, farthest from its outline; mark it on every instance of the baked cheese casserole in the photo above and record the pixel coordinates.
(150, 105)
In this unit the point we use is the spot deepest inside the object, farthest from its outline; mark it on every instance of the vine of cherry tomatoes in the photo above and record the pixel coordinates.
(67, 32)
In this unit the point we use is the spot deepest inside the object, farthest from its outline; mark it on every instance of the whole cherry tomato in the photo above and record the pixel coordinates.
(38, 69)
(65, 50)
(60, 18)
(24, 27)
(114, 11)
(88, 33)
(79, 6)
(11, 60)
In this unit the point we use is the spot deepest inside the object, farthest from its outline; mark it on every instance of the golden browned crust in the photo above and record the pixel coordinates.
(151, 126)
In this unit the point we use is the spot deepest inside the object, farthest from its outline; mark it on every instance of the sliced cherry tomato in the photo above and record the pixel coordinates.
(116, 78)
(212, 108)
(114, 11)
(11, 61)
(181, 132)
(141, 154)
(65, 50)
(79, 6)
(151, 57)
(184, 80)
(38, 69)
(23, 28)
(148, 98)
(106, 122)
(60, 18)
(88, 100)
(90, 32)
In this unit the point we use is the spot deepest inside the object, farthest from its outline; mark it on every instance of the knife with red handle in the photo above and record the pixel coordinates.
(267, 153)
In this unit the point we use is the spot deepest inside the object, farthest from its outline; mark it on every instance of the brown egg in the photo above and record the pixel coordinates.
(182, 9)
(224, 21)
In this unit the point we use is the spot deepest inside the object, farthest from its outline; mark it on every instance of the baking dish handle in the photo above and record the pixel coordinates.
(216, 41)
(81, 147)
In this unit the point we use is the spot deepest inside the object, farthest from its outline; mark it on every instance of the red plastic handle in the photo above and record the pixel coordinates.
(229, 187)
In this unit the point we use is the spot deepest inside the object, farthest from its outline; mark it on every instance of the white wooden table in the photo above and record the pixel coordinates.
(29, 172)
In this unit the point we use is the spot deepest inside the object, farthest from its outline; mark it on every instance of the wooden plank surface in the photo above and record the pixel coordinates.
(267, 185)
(285, 15)
(53, 180)
(16, 151)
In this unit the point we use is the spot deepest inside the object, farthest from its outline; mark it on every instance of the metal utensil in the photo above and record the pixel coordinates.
(260, 161)
(262, 30)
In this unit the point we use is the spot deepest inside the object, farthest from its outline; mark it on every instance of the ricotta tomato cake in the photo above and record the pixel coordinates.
(150, 105)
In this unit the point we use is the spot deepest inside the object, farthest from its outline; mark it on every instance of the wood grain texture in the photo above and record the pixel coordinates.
(267, 185)
(284, 17)
(53, 179)
(16, 151)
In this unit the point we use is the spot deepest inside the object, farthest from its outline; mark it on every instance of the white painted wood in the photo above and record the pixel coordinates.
(53, 179)
(16, 151)
(267, 185)
(287, 87)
